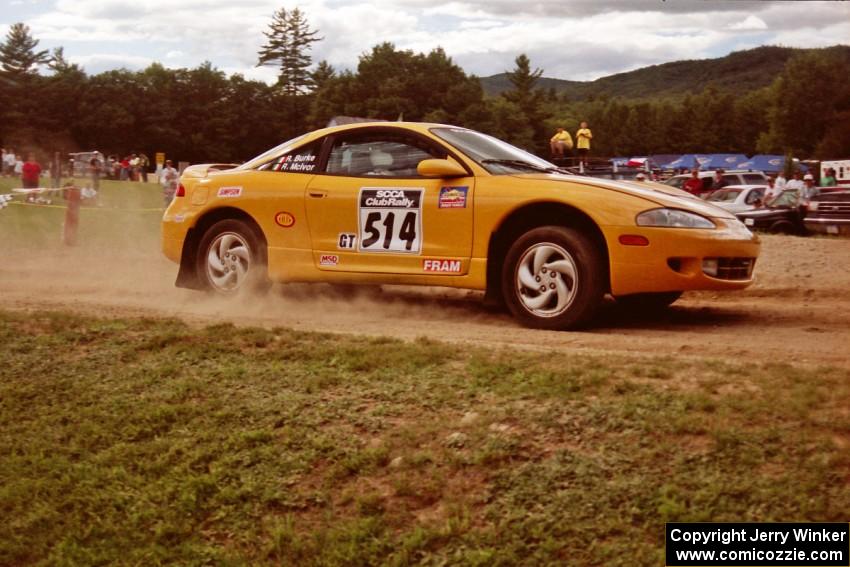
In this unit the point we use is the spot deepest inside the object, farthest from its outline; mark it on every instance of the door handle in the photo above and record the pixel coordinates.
(318, 194)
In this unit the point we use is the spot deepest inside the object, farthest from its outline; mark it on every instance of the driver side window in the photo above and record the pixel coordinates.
(378, 155)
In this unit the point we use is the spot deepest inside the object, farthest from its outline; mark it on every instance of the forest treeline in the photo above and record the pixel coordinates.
(201, 114)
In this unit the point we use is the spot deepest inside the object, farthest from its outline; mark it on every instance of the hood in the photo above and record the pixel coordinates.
(663, 195)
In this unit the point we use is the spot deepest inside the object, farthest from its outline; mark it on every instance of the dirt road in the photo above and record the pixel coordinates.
(799, 311)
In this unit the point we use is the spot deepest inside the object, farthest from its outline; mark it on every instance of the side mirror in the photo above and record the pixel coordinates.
(440, 168)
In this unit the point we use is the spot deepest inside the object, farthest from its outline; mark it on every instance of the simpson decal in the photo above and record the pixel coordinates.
(284, 219)
(390, 220)
(346, 241)
(452, 198)
(442, 266)
(328, 260)
(230, 191)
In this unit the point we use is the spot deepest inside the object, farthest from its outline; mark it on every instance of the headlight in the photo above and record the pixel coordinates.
(673, 218)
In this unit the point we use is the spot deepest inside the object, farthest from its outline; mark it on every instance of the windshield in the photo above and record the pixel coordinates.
(725, 195)
(265, 156)
(677, 181)
(494, 155)
(785, 199)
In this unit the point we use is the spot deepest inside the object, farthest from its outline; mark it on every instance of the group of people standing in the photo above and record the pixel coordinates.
(562, 143)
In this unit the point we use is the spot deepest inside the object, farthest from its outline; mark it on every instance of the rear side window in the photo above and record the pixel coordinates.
(754, 196)
(731, 179)
(752, 179)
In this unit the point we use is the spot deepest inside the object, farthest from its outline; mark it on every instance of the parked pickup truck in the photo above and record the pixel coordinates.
(829, 213)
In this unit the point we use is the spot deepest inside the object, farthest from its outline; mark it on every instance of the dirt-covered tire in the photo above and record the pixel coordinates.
(231, 259)
(648, 302)
(554, 278)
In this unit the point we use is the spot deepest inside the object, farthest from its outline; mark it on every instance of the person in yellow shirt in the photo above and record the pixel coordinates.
(560, 142)
(583, 137)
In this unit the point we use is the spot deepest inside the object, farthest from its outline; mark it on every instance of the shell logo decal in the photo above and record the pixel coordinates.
(284, 219)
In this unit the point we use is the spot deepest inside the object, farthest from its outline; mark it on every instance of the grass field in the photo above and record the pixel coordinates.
(126, 211)
(143, 442)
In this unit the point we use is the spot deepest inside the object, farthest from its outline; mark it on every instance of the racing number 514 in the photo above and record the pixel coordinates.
(407, 232)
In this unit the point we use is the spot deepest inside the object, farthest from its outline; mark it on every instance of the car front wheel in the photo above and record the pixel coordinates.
(231, 258)
(553, 278)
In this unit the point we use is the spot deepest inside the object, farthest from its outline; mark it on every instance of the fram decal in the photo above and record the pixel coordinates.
(443, 266)
(328, 260)
(346, 241)
(230, 191)
(452, 198)
(284, 219)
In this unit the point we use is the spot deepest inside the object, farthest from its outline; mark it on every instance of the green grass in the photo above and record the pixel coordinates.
(143, 442)
(125, 217)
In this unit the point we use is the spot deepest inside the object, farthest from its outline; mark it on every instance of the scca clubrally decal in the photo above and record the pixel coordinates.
(390, 220)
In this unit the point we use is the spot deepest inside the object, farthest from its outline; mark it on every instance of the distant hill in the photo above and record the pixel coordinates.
(741, 71)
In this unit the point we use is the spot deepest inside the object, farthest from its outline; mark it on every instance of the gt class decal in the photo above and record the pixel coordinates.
(284, 219)
(452, 198)
(328, 260)
(346, 241)
(441, 265)
(390, 220)
(230, 192)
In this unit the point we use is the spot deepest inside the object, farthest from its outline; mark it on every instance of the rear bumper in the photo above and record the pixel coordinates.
(674, 259)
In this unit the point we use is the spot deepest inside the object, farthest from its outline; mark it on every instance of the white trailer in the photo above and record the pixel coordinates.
(842, 170)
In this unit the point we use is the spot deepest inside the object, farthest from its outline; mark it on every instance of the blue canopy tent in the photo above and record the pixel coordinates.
(687, 161)
(724, 161)
(767, 164)
(660, 160)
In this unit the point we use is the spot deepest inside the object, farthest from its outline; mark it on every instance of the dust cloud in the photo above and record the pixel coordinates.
(798, 311)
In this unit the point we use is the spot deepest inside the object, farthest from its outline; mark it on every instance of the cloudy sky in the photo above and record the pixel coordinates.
(569, 39)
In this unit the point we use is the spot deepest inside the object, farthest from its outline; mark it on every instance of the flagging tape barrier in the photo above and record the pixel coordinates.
(108, 209)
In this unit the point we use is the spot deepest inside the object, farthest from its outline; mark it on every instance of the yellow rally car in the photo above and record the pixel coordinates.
(430, 204)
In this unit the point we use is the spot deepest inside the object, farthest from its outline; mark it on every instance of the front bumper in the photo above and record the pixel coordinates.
(675, 259)
(826, 225)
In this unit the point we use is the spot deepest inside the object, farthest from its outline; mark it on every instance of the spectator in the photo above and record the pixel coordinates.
(125, 168)
(55, 171)
(772, 191)
(168, 178)
(719, 182)
(95, 171)
(795, 184)
(9, 162)
(144, 165)
(829, 178)
(781, 182)
(694, 184)
(30, 175)
(583, 137)
(134, 167)
(808, 191)
(640, 177)
(561, 142)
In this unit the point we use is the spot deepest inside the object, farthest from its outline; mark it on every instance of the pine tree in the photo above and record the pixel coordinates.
(18, 55)
(289, 39)
(529, 99)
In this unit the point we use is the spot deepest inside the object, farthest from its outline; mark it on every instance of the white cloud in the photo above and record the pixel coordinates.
(576, 39)
(751, 23)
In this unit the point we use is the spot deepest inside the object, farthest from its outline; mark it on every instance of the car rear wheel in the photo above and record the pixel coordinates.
(553, 278)
(231, 258)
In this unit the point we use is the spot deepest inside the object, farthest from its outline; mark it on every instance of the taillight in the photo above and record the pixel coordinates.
(181, 191)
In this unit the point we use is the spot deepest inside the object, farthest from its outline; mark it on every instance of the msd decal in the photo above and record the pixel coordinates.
(442, 266)
(452, 198)
(229, 192)
(328, 260)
